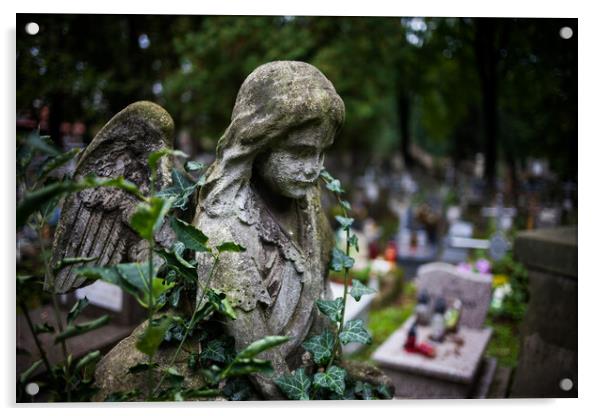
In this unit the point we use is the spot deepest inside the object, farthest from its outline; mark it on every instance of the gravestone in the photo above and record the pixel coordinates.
(447, 281)
(452, 374)
(547, 365)
(458, 370)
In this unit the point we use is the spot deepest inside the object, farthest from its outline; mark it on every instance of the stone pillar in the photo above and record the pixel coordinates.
(548, 354)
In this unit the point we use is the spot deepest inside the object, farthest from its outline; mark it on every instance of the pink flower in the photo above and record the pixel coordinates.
(464, 267)
(483, 266)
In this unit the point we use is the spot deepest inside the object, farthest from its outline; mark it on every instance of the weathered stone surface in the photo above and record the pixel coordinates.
(262, 192)
(95, 222)
(552, 250)
(113, 375)
(549, 330)
(473, 289)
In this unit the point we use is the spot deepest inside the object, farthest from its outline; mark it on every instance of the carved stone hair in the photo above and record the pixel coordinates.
(274, 99)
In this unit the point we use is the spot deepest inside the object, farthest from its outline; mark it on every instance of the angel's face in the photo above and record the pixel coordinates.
(294, 164)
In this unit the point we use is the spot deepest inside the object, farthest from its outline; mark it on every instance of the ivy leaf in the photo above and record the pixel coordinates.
(44, 328)
(151, 338)
(332, 379)
(220, 303)
(79, 329)
(354, 242)
(340, 260)
(345, 204)
(230, 246)
(354, 331)
(189, 235)
(327, 176)
(237, 389)
(215, 350)
(331, 308)
(320, 347)
(335, 186)
(363, 390)
(180, 190)
(358, 289)
(192, 166)
(77, 309)
(344, 221)
(148, 217)
(296, 385)
(383, 391)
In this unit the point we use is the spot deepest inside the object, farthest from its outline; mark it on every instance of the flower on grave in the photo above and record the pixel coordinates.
(483, 266)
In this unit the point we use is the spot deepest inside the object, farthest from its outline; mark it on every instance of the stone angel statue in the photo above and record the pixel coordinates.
(261, 192)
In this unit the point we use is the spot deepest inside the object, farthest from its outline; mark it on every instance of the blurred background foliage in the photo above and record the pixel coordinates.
(453, 86)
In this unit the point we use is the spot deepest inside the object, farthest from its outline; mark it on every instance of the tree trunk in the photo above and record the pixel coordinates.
(403, 109)
(486, 54)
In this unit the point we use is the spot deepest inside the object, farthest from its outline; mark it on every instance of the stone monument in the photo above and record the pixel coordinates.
(459, 369)
(261, 192)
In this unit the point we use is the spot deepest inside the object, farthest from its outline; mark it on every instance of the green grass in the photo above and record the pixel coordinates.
(504, 344)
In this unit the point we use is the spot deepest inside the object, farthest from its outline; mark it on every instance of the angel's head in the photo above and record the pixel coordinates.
(286, 114)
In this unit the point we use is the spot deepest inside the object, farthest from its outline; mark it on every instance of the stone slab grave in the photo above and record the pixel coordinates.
(458, 370)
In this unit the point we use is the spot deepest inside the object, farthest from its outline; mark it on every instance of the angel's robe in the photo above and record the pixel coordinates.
(274, 284)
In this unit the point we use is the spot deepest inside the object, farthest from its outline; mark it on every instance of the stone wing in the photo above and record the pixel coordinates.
(95, 222)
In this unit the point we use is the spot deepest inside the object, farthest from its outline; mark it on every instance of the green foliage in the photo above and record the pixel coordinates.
(230, 246)
(354, 331)
(77, 308)
(74, 330)
(332, 379)
(340, 260)
(180, 190)
(56, 162)
(189, 235)
(331, 308)
(148, 217)
(345, 222)
(358, 290)
(43, 328)
(261, 345)
(215, 350)
(321, 347)
(154, 157)
(296, 386)
(39, 197)
(153, 335)
(72, 260)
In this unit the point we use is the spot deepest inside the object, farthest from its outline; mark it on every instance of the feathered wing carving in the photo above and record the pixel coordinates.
(95, 222)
